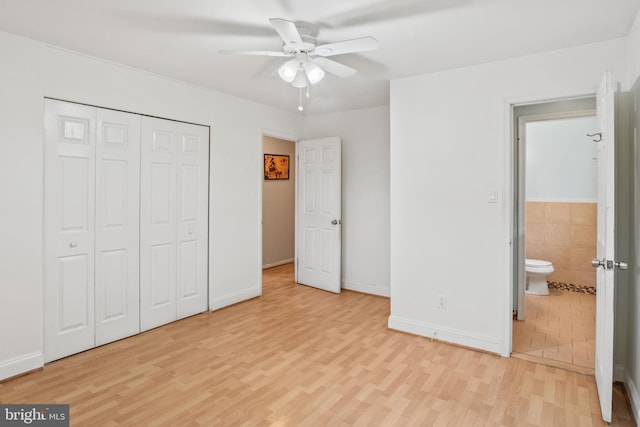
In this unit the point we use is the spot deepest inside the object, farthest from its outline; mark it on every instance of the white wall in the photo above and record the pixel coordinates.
(21, 121)
(365, 193)
(450, 148)
(236, 205)
(30, 71)
(560, 160)
(632, 372)
(74, 77)
(633, 50)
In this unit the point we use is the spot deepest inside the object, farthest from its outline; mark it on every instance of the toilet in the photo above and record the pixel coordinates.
(537, 271)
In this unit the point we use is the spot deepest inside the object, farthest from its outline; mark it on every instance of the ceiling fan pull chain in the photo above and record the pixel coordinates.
(300, 108)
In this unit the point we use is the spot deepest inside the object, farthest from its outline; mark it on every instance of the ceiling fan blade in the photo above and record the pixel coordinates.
(334, 67)
(288, 33)
(253, 52)
(186, 24)
(362, 44)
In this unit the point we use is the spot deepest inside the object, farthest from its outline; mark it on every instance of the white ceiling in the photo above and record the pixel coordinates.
(180, 39)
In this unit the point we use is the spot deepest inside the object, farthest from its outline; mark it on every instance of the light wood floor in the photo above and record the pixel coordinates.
(303, 357)
(558, 329)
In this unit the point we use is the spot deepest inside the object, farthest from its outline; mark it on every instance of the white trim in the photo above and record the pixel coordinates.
(551, 200)
(296, 215)
(278, 135)
(634, 395)
(286, 137)
(510, 205)
(21, 364)
(236, 297)
(367, 288)
(508, 209)
(277, 263)
(450, 335)
(541, 98)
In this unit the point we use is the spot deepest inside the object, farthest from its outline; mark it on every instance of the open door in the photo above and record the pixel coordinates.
(605, 263)
(319, 220)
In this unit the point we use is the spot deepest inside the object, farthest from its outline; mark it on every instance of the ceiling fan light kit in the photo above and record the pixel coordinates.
(301, 79)
(314, 72)
(308, 62)
(288, 70)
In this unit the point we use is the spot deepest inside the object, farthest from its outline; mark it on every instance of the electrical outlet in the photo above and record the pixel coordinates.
(442, 301)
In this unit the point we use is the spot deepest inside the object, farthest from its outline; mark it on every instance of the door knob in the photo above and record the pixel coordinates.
(335, 222)
(609, 265)
(73, 244)
(620, 265)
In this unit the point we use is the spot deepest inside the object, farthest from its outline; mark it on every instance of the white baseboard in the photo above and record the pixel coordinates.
(353, 285)
(449, 335)
(19, 365)
(234, 298)
(634, 395)
(275, 264)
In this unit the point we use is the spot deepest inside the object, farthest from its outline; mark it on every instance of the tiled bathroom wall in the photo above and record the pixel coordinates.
(565, 234)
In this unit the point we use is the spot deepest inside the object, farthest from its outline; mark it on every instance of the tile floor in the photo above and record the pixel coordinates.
(558, 329)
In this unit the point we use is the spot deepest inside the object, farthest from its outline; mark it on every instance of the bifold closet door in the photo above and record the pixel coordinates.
(158, 223)
(69, 183)
(117, 280)
(173, 221)
(193, 220)
(92, 169)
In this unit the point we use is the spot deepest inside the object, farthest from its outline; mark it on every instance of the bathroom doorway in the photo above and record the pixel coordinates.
(556, 221)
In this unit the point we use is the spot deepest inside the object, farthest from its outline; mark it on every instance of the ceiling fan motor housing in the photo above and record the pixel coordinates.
(308, 33)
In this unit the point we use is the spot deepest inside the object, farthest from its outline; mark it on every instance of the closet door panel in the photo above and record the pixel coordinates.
(69, 171)
(192, 230)
(117, 225)
(158, 222)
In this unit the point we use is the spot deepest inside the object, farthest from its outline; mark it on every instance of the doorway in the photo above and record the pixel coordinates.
(278, 203)
(556, 200)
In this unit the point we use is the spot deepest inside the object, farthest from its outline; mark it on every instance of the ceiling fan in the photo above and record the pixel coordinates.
(308, 62)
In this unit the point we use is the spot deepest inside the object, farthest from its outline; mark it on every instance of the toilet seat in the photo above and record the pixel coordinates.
(537, 263)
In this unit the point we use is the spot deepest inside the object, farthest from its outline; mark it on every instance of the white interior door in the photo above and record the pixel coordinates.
(158, 222)
(193, 208)
(605, 244)
(117, 225)
(173, 221)
(69, 172)
(318, 234)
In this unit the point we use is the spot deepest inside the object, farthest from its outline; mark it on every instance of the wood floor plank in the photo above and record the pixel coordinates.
(298, 356)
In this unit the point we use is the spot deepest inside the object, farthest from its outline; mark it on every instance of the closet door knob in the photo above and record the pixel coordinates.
(73, 244)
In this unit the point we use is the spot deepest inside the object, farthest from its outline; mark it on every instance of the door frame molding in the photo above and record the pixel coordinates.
(519, 212)
(510, 193)
(287, 137)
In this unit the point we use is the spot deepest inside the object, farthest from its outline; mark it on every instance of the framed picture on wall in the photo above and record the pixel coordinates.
(276, 166)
